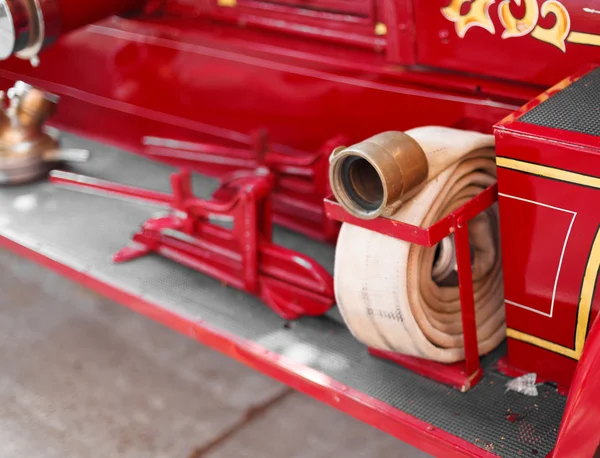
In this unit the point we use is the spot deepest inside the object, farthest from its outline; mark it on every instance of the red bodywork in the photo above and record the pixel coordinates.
(74, 14)
(218, 71)
(578, 431)
(548, 185)
(522, 58)
(160, 87)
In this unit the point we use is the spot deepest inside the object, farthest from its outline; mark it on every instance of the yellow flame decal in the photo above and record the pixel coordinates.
(557, 34)
(452, 11)
(514, 27)
(477, 16)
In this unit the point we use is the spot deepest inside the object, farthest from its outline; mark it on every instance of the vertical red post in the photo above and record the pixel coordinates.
(266, 218)
(178, 186)
(181, 184)
(467, 300)
(249, 239)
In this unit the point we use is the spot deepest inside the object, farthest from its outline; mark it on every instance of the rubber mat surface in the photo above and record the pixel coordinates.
(575, 108)
(82, 231)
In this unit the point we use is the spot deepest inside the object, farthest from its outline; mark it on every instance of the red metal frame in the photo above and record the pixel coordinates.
(300, 180)
(460, 375)
(245, 257)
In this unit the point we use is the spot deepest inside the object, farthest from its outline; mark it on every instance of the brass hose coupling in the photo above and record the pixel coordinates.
(27, 149)
(374, 177)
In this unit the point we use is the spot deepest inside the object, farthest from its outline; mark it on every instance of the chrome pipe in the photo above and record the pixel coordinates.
(27, 27)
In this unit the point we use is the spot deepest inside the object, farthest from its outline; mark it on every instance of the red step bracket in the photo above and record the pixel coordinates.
(243, 256)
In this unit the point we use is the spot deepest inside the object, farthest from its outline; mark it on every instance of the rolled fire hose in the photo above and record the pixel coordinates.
(402, 297)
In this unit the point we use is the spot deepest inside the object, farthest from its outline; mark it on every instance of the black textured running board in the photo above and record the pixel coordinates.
(77, 234)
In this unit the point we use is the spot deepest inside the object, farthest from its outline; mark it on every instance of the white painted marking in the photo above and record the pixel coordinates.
(562, 255)
(528, 308)
(537, 203)
(591, 10)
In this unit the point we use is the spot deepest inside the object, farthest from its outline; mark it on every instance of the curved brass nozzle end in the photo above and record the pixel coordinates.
(32, 106)
(373, 177)
(25, 145)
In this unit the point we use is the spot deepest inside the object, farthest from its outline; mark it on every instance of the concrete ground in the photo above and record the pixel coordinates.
(82, 377)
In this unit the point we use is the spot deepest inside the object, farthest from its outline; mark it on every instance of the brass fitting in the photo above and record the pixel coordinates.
(27, 151)
(374, 177)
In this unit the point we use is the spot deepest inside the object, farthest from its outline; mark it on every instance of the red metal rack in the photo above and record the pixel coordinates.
(460, 375)
(245, 257)
(299, 178)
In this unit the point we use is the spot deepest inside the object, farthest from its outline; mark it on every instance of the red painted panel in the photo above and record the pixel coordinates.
(546, 146)
(171, 78)
(533, 239)
(547, 228)
(77, 13)
(522, 58)
(549, 366)
(216, 94)
(350, 7)
(556, 171)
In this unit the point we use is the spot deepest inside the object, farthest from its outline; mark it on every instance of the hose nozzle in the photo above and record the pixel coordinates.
(374, 177)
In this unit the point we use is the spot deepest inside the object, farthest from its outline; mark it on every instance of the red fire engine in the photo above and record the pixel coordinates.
(316, 115)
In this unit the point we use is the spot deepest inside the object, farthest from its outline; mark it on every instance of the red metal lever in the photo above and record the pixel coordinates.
(242, 256)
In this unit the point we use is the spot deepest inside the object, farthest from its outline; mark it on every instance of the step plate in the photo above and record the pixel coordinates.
(315, 355)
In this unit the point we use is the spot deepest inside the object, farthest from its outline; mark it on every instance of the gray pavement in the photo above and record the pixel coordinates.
(81, 376)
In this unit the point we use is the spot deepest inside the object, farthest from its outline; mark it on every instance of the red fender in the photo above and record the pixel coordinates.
(579, 432)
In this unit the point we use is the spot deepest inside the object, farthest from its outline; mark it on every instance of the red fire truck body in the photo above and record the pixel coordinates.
(307, 72)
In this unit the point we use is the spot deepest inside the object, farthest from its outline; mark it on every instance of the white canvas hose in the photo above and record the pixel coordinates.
(384, 286)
